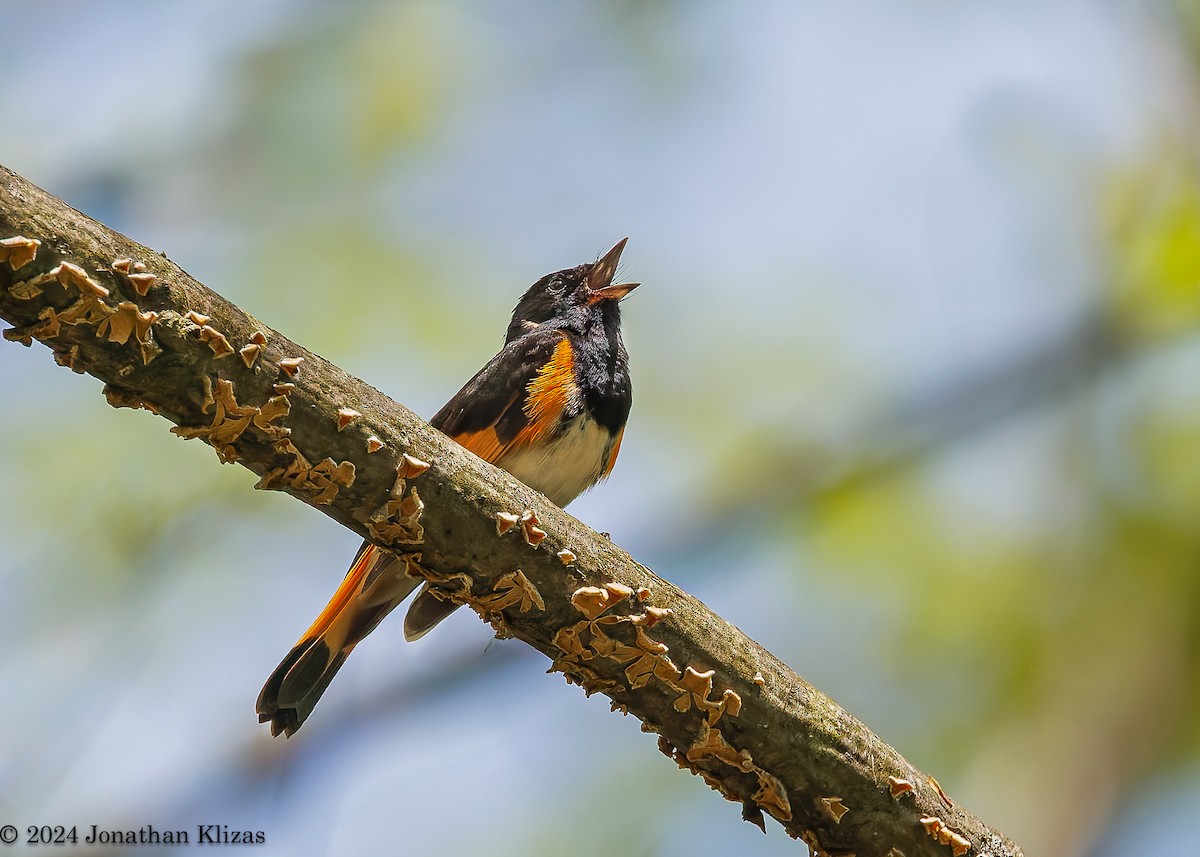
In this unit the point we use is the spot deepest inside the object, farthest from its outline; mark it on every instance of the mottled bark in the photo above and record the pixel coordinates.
(723, 706)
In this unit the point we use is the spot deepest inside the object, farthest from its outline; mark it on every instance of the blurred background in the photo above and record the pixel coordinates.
(916, 401)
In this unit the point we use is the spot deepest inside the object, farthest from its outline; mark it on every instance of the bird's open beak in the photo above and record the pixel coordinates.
(600, 284)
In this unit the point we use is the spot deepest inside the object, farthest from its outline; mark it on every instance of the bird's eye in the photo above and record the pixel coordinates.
(555, 286)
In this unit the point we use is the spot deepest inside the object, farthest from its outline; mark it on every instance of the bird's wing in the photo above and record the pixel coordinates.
(516, 399)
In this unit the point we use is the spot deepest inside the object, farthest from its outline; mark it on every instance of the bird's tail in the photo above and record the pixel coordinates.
(425, 611)
(374, 585)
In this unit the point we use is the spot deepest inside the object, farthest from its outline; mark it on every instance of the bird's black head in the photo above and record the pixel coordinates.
(569, 297)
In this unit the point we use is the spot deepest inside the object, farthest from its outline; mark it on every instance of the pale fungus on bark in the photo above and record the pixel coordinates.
(319, 483)
(291, 365)
(937, 787)
(617, 591)
(231, 419)
(959, 844)
(712, 743)
(834, 807)
(345, 416)
(411, 467)
(25, 290)
(47, 326)
(652, 616)
(532, 533)
(128, 320)
(18, 251)
(141, 282)
(696, 687)
(134, 273)
(119, 398)
(647, 660)
(215, 340)
(275, 409)
(770, 795)
(90, 307)
(505, 521)
(69, 274)
(249, 353)
(408, 468)
(898, 786)
(206, 388)
(397, 521)
(116, 324)
(512, 589)
(591, 601)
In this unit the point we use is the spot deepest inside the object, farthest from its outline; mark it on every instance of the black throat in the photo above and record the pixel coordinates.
(602, 365)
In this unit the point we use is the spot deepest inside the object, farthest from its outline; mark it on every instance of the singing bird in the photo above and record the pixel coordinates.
(550, 408)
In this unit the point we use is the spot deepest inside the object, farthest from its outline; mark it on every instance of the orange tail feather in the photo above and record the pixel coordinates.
(373, 586)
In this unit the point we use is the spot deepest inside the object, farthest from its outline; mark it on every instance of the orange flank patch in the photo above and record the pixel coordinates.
(351, 586)
(549, 392)
(612, 455)
(546, 398)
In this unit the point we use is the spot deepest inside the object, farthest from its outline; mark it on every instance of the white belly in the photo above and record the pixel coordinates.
(567, 466)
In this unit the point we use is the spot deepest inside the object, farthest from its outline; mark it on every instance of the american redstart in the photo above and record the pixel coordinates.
(550, 409)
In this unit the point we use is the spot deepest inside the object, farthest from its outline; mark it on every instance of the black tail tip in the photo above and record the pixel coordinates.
(283, 721)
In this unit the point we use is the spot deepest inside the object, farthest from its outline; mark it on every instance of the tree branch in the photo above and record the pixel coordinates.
(723, 706)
